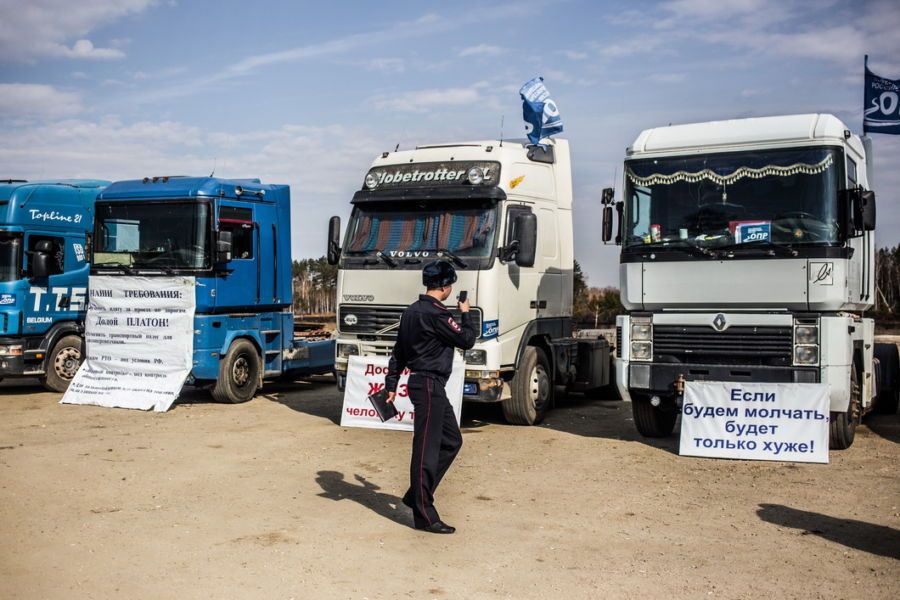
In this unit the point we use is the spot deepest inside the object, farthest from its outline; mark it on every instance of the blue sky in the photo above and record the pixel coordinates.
(307, 93)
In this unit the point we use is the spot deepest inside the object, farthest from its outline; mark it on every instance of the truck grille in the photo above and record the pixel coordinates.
(370, 322)
(743, 345)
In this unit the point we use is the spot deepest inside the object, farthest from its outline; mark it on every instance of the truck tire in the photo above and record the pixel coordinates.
(63, 363)
(651, 421)
(532, 389)
(238, 374)
(888, 398)
(842, 426)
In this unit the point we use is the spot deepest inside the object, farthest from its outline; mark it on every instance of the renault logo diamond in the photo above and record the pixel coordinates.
(719, 323)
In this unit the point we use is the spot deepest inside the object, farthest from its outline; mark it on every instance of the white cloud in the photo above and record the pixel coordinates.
(32, 100)
(574, 55)
(45, 28)
(425, 100)
(481, 50)
(393, 65)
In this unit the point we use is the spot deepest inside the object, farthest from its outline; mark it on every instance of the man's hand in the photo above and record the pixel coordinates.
(463, 306)
(390, 398)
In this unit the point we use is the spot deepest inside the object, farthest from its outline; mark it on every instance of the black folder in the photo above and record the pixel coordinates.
(385, 409)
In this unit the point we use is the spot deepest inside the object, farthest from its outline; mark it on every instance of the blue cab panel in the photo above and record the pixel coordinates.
(55, 218)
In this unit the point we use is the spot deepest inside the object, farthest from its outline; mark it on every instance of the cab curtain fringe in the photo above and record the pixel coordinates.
(749, 172)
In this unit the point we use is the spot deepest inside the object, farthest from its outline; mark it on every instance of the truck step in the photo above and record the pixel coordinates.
(271, 352)
(271, 331)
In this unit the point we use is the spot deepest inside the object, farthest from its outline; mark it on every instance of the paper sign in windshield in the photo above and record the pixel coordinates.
(752, 231)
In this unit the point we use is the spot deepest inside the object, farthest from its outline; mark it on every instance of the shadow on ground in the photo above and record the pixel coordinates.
(607, 419)
(17, 386)
(335, 487)
(874, 539)
(886, 426)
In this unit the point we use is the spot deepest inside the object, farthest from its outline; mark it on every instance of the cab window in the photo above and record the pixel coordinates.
(57, 251)
(239, 221)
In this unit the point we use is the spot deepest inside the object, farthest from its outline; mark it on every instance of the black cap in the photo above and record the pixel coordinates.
(439, 273)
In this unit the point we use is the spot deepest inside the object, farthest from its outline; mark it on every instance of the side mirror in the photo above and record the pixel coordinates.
(526, 230)
(223, 247)
(867, 199)
(334, 240)
(40, 259)
(606, 200)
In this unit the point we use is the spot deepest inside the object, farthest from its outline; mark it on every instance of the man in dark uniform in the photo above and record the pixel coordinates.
(425, 344)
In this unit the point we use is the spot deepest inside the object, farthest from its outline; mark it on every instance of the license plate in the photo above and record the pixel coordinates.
(470, 389)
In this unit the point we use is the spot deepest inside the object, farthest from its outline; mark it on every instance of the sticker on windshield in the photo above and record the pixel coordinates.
(751, 231)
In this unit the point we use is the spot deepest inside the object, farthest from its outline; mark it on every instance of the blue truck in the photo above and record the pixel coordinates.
(45, 237)
(233, 236)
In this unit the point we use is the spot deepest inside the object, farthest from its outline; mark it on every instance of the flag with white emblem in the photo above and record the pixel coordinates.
(539, 111)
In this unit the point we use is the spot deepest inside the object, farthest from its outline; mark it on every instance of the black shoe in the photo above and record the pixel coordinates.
(407, 500)
(438, 527)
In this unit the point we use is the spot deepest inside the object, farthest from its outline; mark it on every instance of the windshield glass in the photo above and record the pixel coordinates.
(152, 235)
(771, 196)
(415, 230)
(10, 256)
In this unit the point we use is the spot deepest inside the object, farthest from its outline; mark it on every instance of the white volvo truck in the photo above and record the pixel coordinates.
(502, 213)
(748, 256)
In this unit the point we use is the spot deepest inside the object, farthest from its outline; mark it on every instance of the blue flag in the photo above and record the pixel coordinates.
(881, 110)
(539, 111)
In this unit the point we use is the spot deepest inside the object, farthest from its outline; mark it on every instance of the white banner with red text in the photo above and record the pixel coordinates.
(365, 376)
(756, 421)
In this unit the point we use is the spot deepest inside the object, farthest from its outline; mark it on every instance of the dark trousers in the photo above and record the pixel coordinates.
(436, 442)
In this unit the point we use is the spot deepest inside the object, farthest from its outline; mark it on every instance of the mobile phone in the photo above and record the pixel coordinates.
(463, 296)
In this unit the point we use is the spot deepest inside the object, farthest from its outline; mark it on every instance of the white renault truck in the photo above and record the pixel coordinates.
(501, 211)
(747, 255)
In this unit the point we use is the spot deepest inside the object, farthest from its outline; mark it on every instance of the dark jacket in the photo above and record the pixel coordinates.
(428, 334)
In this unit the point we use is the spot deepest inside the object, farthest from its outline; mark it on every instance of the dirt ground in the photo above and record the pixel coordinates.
(272, 499)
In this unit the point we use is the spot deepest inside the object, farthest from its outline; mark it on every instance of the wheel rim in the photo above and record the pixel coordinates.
(240, 371)
(539, 387)
(66, 362)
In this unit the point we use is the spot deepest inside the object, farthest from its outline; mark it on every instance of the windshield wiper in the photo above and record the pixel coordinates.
(384, 257)
(456, 260)
(680, 244)
(770, 246)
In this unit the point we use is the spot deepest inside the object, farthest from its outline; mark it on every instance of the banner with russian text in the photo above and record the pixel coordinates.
(139, 342)
(756, 421)
(365, 376)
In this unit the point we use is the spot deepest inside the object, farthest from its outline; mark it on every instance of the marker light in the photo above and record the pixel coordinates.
(475, 176)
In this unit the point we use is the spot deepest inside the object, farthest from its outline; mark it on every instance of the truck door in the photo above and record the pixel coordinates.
(241, 286)
(60, 296)
(519, 288)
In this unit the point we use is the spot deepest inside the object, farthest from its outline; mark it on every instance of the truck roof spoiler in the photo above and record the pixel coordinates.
(455, 192)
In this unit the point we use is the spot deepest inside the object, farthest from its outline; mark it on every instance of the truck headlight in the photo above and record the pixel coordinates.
(475, 176)
(475, 357)
(806, 355)
(371, 181)
(806, 334)
(15, 350)
(347, 350)
(641, 350)
(641, 331)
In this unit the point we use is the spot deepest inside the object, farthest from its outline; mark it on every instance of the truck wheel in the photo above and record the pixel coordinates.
(532, 389)
(842, 428)
(63, 363)
(651, 421)
(238, 374)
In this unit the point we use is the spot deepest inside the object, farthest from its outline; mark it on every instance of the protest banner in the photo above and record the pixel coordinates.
(757, 421)
(139, 342)
(365, 376)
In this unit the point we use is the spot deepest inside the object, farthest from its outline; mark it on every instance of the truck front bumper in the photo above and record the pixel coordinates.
(16, 360)
(660, 378)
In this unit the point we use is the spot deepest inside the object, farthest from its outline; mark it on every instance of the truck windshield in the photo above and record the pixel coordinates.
(152, 235)
(10, 256)
(417, 230)
(731, 199)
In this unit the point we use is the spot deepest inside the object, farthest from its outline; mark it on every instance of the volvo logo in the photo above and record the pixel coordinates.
(351, 320)
(719, 323)
(359, 298)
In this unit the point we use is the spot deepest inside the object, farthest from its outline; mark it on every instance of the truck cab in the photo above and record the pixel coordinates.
(233, 237)
(501, 211)
(45, 229)
(747, 255)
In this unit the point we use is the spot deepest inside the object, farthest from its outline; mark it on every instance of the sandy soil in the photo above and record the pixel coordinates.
(272, 499)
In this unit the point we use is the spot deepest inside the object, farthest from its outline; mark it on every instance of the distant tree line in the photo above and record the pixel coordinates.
(315, 286)
(887, 285)
(594, 307)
